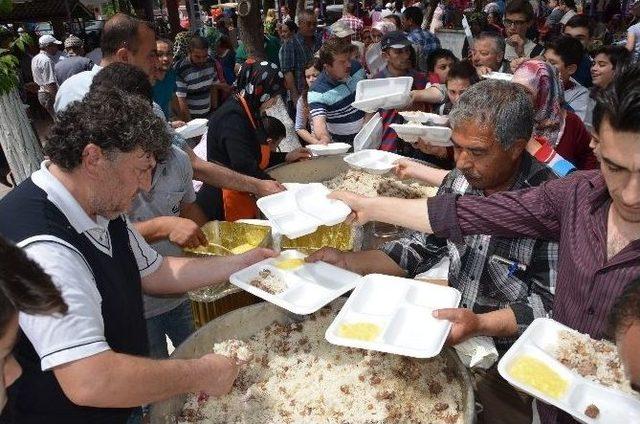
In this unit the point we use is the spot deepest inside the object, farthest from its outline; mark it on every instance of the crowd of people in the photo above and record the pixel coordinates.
(537, 211)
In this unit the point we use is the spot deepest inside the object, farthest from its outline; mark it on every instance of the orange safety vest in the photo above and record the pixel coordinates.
(240, 204)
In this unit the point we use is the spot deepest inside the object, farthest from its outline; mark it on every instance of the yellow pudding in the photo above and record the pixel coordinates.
(242, 248)
(360, 331)
(289, 264)
(535, 373)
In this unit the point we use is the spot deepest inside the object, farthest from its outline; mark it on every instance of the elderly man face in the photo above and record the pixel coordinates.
(485, 163)
(488, 144)
(485, 53)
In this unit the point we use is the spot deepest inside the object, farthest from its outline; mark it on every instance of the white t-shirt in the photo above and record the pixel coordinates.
(42, 68)
(577, 97)
(74, 88)
(80, 333)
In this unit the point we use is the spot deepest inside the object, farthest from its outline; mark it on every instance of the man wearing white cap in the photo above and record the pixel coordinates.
(43, 70)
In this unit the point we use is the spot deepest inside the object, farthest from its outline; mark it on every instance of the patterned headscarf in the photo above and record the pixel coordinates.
(543, 81)
(258, 82)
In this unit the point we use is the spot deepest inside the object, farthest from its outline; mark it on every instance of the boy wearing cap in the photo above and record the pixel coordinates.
(75, 61)
(42, 68)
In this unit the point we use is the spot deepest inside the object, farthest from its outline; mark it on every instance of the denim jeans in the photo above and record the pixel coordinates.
(177, 324)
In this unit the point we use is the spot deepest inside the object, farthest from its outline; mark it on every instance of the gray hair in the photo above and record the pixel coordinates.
(499, 44)
(503, 107)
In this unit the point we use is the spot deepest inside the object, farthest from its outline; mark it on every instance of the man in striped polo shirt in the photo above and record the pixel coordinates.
(197, 82)
(330, 98)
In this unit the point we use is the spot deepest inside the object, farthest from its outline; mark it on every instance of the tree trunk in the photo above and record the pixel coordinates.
(252, 32)
(17, 138)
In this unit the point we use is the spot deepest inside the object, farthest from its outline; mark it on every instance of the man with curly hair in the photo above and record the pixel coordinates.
(88, 366)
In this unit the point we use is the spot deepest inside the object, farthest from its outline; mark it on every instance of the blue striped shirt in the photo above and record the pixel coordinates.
(195, 83)
(333, 99)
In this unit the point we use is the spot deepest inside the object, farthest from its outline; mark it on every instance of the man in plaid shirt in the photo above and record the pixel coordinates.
(352, 21)
(494, 274)
(424, 41)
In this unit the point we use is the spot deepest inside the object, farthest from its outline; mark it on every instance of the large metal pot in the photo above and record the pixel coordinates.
(244, 323)
(316, 170)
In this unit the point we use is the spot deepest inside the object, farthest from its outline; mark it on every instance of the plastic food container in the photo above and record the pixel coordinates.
(328, 149)
(308, 287)
(373, 161)
(538, 341)
(498, 75)
(194, 128)
(424, 117)
(295, 213)
(402, 311)
(370, 136)
(382, 93)
(438, 136)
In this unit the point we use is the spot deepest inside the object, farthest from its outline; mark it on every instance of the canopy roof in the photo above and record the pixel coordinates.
(45, 10)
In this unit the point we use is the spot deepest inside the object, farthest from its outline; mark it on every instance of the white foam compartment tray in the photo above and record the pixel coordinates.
(373, 161)
(438, 136)
(503, 76)
(424, 117)
(193, 128)
(370, 136)
(382, 93)
(328, 149)
(539, 341)
(298, 212)
(402, 308)
(309, 287)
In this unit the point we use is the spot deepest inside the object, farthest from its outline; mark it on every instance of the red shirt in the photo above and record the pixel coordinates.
(574, 144)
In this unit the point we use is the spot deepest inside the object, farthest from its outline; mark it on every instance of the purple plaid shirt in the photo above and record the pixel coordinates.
(572, 211)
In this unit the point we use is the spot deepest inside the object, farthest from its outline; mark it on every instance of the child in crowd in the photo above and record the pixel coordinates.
(304, 125)
(461, 76)
(565, 53)
(519, 17)
(607, 61)
(439, 63)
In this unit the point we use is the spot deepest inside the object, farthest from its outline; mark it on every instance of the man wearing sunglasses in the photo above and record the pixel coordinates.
(519, 17)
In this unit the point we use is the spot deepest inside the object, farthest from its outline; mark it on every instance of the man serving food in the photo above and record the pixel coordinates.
(88, 366)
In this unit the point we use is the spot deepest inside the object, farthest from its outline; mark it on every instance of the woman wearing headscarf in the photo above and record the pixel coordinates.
(555, 128)
(237, 137)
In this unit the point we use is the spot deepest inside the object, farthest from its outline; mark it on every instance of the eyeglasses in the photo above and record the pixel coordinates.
(509, 22)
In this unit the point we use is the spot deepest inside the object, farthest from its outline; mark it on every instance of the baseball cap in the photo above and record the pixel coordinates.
(394, 40)
(73, 41)
(47, 40)
(341, 29)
